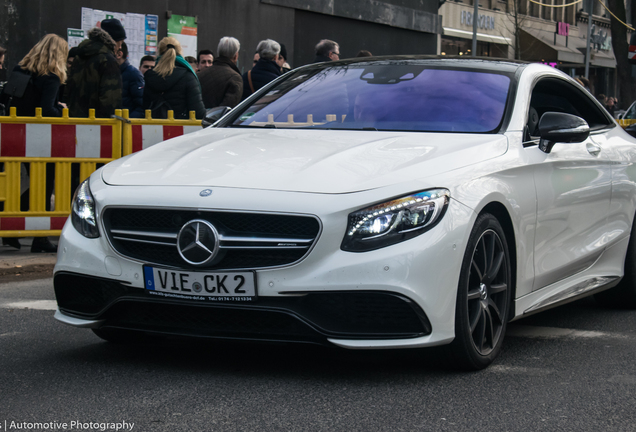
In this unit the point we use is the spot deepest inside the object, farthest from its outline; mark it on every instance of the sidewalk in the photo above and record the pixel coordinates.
(18, 260)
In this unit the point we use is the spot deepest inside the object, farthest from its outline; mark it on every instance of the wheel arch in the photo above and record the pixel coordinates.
(499, 211)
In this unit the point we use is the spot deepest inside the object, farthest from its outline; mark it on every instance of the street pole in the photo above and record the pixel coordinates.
(475, 17)
(590, 6)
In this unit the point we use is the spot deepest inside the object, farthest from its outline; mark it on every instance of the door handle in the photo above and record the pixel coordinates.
(593, 149)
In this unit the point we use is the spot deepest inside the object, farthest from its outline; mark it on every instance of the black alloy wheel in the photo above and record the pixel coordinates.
(483, 297)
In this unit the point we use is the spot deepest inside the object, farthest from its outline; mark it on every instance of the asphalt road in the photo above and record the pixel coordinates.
(568, 369)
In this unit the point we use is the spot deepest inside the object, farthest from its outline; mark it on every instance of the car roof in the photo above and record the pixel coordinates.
(460, 62)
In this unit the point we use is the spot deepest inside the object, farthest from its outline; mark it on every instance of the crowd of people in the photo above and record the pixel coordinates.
(98, 75)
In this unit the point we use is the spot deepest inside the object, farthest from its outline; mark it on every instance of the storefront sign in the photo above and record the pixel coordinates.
(563, 29)
(483, 21)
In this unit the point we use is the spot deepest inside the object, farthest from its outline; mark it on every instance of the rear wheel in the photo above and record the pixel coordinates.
(623, 295)
(483, 296)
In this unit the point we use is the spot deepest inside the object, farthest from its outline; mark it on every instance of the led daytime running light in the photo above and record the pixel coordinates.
(398, 204)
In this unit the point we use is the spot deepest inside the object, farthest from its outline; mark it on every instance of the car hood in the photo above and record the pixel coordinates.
(317, 161)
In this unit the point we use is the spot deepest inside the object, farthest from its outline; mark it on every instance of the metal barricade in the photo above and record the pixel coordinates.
(626, 123)
(60, 145)
(59, 153)
(140, 134)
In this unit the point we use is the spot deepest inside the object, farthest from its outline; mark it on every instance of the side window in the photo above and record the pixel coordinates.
(553, 94)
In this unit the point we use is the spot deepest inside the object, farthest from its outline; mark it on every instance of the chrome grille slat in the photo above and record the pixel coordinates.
(263, 247)
(143, 241)
(249, 240)
(145, 233)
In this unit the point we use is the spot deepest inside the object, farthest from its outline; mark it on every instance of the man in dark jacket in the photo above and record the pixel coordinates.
(222, 84)
(265, 70)
(327, 50)
(94, 80)
(132, 85)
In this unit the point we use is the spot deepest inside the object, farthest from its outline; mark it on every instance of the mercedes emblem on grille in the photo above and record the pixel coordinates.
(198, 242)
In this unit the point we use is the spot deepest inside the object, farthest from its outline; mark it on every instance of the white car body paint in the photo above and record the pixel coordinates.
(571, 222)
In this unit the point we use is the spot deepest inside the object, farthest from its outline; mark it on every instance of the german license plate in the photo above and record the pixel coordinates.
(203, 286)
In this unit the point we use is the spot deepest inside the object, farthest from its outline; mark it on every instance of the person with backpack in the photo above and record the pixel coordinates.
(172, 84)
(45, 67)
(94, 79)
(42, 70)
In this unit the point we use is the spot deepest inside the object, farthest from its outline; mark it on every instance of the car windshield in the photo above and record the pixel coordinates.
(407, 97)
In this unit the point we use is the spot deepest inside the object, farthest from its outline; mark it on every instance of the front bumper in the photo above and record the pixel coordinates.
(400, 296)
(312, 317)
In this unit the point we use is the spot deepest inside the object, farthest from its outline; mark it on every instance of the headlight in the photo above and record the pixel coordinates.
(83, 213)
(394, 221)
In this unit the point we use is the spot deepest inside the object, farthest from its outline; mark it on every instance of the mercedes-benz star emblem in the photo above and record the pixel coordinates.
(198, 242)
(205, 192)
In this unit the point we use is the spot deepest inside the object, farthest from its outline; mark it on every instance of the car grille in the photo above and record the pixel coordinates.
(247, 240)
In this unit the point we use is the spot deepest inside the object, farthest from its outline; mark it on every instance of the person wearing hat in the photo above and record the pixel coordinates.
(94, 79)
(282, 59)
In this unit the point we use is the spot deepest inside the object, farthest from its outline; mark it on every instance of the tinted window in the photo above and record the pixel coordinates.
(384, 97)
(556, 95)
(631, 112)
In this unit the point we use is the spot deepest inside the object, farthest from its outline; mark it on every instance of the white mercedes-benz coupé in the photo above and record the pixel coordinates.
(372, 203)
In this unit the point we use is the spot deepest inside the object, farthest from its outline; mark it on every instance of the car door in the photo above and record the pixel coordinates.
(573, 185)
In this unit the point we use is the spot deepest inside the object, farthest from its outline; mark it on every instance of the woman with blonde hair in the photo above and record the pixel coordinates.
(46, 66)
(172, 84)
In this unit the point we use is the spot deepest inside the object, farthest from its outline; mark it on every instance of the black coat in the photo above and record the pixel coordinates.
(132, 94)
(181, 91)
(263, 72)
(41, 92)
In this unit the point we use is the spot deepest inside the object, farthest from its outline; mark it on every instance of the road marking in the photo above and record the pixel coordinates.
(50, 305)
(623, 379)
(519, 370)
(555, 333)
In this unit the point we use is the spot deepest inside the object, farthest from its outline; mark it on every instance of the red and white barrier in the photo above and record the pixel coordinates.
(48, 140)
(32, 223)
(144, 136)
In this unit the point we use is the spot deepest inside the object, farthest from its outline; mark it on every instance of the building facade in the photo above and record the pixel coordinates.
(553, 32)
(383, 27)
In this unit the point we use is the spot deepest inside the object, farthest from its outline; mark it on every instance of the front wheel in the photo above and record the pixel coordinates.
(483, 296)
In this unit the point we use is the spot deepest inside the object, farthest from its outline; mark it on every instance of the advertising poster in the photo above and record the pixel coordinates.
(184, 29)
(134, 24)
(152, 24)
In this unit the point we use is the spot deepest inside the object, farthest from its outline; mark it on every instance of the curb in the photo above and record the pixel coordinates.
(11, 258)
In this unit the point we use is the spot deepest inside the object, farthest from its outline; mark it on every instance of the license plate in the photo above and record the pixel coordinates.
(203, 286)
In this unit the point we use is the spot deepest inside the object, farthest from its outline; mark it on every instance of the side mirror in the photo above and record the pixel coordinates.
(557, 127)
(213, 115)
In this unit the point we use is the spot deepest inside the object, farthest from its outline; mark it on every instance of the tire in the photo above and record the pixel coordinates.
(483, 297)
(623, 295)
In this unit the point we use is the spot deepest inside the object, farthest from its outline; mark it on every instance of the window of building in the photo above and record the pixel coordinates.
(535, 10)
(546, 12)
